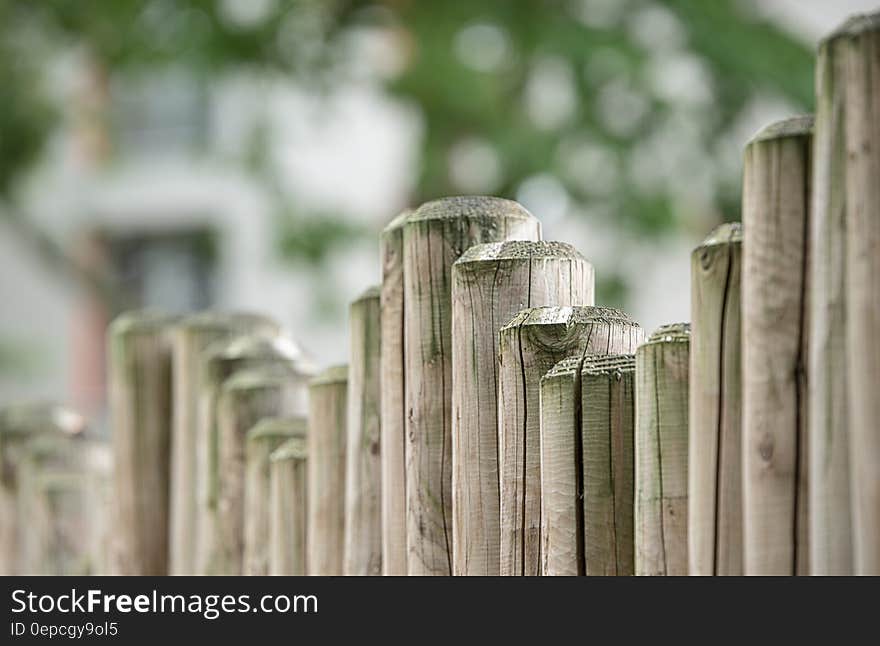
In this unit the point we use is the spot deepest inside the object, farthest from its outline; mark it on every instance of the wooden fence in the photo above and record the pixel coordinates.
(493, 419)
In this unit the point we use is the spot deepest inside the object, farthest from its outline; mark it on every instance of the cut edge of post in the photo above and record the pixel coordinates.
(853, 26)
(295, 448)
(608, 364)
(278, 427)
(670, 332)
(332, 375)
(568, 315)
(469, 206)
(517, 250)
(797, 126)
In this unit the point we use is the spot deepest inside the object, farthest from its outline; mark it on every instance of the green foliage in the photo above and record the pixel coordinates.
(743, 57)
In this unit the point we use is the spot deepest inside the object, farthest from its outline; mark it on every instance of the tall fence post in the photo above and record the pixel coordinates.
(393, 422)
(326, 472)
(191, 337)
(490, 284)
(435, 236)
(530, 345)
(715, 410)
(862, 36)
(288, 499)
(139, 381)
(222, 360)
(776, 220)
(661, 452)
(261, 441)
(362, 552)
(829, 500)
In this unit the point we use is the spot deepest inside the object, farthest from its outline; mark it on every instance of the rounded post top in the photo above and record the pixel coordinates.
(671, 332)
(141, 322)
(397, 222)
(332, 375)
(267, 376)
(608, 364)
(517, 250)
(722, 235)
(567, 367)
(254, 346)
(854, 26)
(214, 320)
(293, 449)
(277, 427)
(799, 126)
(370, 293)
(568, 316)
(477, 206)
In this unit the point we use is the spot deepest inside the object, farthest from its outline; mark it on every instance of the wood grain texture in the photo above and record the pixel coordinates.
(776, 221)
(362, 551)
(490, 284)
(530, 345)
(393, 423)
(327, 436)
(661, 452)
(607, 472)
(288, 499)
(190, 338)
(434, 237)
(139, 382)
(221, 360)
(260, 442)
(562, 518)
(247, 397)
(862, 132)
(829, 500)
(715, 407)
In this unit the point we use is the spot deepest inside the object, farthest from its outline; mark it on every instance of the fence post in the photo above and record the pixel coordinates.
(287, 517)
(530, 345)
(267, 435)
(139, 381)
(776, 199)
(562, 518)
(25, 428)
(490, 284)
(246, 397)
(862, 80)
(435, 236)
(221, 360)
(191, 337)
(830, 540)
(715, 410)
(607, 428)
(661, 452)
(326, 472)
(362, 552)
(392, 426)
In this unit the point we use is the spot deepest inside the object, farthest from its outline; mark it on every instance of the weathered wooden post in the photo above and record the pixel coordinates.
(247, 397)
(362, 551)
(661, 452)
(326, 472)
(288, 500)
(191, 338)
(490, 284)
(715, 410)
(607, 428)
(776, 221)
(828, 412)
(434, 237)
(862, 80)
(530, 345)
(139, 381)
(587, 466)
(392, 431)
(221, 360)
(61, 514)
(261, 441)
(22, 427)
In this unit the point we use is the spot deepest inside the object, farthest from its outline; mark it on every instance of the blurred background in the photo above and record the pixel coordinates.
(245, 154)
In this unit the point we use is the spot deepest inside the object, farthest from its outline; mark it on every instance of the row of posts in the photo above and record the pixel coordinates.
(493, 420)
